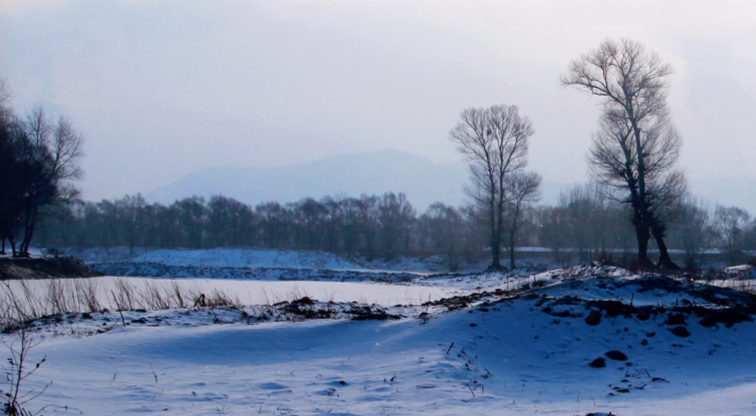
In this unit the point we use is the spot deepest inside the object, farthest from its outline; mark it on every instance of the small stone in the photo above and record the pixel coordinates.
(644, 342)
(675, 319)
(598, 363)
(681, 331)
(616, 355)
(594, 318)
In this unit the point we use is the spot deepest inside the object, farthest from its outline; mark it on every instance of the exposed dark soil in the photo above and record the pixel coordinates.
(34, 268)
(722, 306)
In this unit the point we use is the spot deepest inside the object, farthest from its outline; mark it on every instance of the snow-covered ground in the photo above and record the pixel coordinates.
(245, 292)
(683, 353)
(123, 260)
(220, 257)
(225, 257)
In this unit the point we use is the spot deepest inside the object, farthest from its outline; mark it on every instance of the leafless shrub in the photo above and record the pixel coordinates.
(178, 295)
(296, 293)
(58, 297)
(154, 298)
(123, 295)
(16, 371)
(86, 294)
(219, 298)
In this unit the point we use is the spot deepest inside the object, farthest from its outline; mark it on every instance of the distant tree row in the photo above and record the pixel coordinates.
(385, 225)
(581, 225)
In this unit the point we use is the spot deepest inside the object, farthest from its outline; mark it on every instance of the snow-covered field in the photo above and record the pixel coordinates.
(224, 257)
(225, 262)
(525, 355)
(246, 292)
(585, 340)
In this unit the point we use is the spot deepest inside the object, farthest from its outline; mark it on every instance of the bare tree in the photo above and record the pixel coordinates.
(395, 215)
(637, 146)
(46, 157)
(694, 230)
(494, 142)
(731, 222)
(131, 210)
(441, 228)
(521, 190)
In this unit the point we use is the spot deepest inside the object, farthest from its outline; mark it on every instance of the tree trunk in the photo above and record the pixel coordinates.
(495, 254)
(512, 233)
(642, 234)
(665, 261)
(29, 226)
(12, 243)
(511, 254)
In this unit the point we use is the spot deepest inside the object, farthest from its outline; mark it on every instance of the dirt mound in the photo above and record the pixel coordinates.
(61, 266)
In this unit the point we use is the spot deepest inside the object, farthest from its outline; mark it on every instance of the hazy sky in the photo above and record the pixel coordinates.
(162, 88)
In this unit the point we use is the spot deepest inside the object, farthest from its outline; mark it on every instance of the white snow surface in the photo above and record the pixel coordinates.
(294, 259)
(254, 292)
(507, 357)
(225, 257)
(514, 360)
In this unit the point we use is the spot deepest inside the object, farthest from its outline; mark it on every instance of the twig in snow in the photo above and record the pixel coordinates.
(123, 321)
(154, 374)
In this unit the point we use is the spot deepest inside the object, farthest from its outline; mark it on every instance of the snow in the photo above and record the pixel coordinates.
(251, 292)
(521, 346)
(515, 360)
(743, 271)
(224, 257)
(123, 260)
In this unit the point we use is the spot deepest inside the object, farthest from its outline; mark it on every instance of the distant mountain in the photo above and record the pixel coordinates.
(423, 181)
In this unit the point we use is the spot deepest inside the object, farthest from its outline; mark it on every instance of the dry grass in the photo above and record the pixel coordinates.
(20, 302)
(748, 286)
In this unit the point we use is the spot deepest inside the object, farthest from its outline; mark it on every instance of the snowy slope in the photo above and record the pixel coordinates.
(518, 356)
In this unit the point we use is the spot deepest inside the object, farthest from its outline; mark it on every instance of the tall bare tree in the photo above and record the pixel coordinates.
(494, 142)
(637, 146)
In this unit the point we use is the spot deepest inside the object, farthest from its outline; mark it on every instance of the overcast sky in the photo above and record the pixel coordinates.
(162, 88)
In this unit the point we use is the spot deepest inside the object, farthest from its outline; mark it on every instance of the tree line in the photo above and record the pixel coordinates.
(580, 226)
